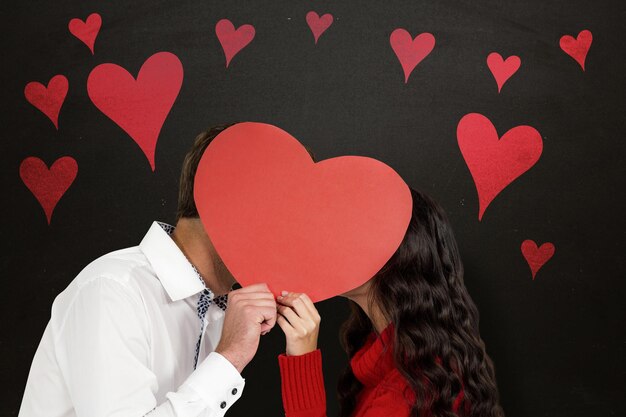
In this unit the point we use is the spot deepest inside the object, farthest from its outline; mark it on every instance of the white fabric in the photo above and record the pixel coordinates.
(121, 342)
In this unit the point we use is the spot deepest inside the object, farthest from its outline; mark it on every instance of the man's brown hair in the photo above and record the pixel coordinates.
(186, 203)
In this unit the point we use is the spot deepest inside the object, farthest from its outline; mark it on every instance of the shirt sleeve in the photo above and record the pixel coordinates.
(302, 384)
(103, 351)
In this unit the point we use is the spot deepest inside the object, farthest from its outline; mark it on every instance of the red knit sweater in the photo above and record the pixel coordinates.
(385, 391)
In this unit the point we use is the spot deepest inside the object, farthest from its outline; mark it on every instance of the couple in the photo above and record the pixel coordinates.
(160, 330)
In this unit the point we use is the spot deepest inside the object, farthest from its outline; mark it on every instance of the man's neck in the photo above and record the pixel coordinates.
(193, 241)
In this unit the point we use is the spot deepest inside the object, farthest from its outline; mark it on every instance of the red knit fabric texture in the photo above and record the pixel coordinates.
(302, 384)
(385, 391)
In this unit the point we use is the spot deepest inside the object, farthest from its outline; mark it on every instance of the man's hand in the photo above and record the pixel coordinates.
(251, 312)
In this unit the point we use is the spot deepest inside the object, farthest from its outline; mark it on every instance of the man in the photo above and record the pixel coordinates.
(143, 331)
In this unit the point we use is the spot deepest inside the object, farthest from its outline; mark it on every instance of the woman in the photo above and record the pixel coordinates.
(412, 337)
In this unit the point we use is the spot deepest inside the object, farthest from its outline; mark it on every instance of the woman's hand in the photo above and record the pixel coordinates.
(300, 321)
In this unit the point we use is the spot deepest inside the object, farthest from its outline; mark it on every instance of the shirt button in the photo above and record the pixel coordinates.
(223, 404)
(234, 391)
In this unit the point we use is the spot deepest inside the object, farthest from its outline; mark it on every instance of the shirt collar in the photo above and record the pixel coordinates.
(374, 360)
(176, 273)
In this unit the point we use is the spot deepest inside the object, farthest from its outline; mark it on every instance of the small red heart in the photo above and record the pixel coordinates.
(86, 31)
(537, 256)
(318, 24)
(577, 48)
(48, 99)
(275, 216)
(501, 69)
(48, 185)
(409, 51)
(139, 106)
(494, 163)
(232, 40)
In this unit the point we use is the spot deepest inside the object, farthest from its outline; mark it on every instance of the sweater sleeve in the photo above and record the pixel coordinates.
(302, 383)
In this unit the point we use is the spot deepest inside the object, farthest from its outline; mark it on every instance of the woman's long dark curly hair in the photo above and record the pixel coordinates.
(436, 342)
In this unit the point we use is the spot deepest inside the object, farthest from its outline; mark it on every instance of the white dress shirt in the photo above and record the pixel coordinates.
(121, 342)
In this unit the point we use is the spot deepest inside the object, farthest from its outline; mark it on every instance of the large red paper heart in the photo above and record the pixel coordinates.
(502, 69)
(48, 185)
(318, 24)
(409, 51)
(86, 31)
(139, 106)
(275, 216)
(577, 48)
(232, 40)
(537, 256)
(494, 163)
(48, 99)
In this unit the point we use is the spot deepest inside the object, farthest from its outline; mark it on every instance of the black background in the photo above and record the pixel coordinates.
(557, 342)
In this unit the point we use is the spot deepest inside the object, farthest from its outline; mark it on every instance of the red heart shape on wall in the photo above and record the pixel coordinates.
(577, 48)
(48, 185)
(232, 40)
(86, 31)
(139, 106)
(318, 24)
(537, 256)
(409, 51)
(502, 69)
(275, 216)
(494, 163)
(48, 99)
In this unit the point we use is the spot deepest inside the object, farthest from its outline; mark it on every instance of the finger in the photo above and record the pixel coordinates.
(249, 295)
(266, 320)
(298, 303)
(257, 302)
(293, 318)
(304, 308)
(310, 306)
(243, 297)
(265, 328)
(236, 295)
(268, 312)
(261, 287)
(287, 298)
(266, 317)
(270, 321)
(284, 325)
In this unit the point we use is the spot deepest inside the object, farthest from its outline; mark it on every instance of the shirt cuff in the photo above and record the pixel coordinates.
(216, 382)
(302, 381)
